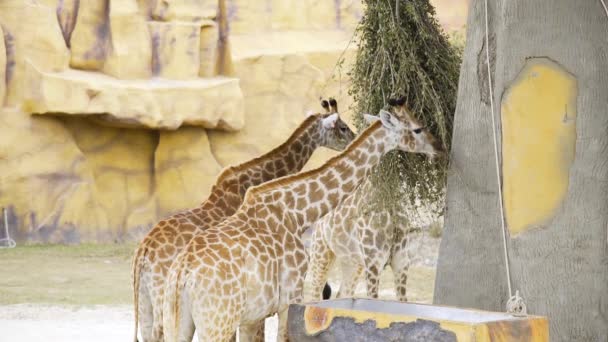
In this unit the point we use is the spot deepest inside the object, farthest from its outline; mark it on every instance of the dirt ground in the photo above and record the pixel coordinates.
(83, 293)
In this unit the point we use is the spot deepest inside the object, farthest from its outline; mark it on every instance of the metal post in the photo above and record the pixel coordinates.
(10, 243)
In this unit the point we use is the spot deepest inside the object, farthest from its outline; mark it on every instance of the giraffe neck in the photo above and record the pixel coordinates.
(220, 204)
(308, 196)
(288, 158)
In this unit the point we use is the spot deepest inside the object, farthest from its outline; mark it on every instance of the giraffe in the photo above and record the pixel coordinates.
(162, 244)
(253, 264)
(362, 241)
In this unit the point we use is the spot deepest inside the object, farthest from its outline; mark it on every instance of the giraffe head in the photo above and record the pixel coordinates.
(424, 141)
(405, 132)
(335, 133)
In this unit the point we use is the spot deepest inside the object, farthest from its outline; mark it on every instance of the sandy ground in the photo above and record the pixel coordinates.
(100, 323)
(83, 293)
(27, 322)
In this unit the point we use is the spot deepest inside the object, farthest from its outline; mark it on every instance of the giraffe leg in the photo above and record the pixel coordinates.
(321, 259)
(178, 324)
(146, 314)
(372, 279)
(401, 282)
(150, 308)
(351, 273)
(282, 333)
(260, 335)
(400, 263)
(186, 323)
(216, 313)
(252, 332)
(217, 321)
(291, 292)
(157, 307)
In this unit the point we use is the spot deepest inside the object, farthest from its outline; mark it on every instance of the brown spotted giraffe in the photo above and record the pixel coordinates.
(163, 243)
(361, 240)
(253, 264)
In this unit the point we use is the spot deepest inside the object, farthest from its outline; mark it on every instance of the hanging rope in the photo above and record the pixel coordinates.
(515, 304)
(605, 8)
(10, 243)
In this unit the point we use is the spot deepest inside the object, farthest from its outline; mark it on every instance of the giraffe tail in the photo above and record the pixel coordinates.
(137, 263)
(176, 308)
(171, 304)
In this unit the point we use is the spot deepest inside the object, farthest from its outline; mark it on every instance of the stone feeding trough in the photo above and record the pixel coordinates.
(379, 320)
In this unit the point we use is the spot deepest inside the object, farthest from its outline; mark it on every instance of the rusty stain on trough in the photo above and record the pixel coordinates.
(316, 319)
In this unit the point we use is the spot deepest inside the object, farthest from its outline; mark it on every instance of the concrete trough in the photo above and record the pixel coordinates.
(355, 320)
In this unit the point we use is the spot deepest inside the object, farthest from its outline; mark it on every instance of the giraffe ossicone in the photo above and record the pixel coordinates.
(252, 265)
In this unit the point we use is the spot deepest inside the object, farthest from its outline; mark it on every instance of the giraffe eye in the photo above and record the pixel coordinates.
(418, 130)
(343, 128)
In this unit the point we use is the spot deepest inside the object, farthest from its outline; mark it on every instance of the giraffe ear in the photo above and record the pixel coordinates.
(389, 120)
(330, 121)
(370, 119)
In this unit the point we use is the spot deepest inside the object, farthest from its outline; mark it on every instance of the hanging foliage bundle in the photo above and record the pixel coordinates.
(404, 52)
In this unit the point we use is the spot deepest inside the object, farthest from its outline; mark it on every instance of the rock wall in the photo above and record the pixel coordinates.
(105, 106)
(115, 113)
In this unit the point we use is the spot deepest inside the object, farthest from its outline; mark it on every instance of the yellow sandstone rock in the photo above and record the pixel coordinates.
(175, 49)
(46, 184)
(283, 75)
(121, 162)
(185, 169)
(71, 180)
(257, 16)
(90, 37)
(37, 39)
(272, 109)
(81, 180)
(224, 64)
(451, 14)
(210, 103)
(66, 178)
(2, 68)
(67, 11)
(130, 54)
(185, 10)
(209, 57)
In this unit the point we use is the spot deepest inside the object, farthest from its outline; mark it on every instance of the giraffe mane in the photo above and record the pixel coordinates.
(235, 169)
(283, 181)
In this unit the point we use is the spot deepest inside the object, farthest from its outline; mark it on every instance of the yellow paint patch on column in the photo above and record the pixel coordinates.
(539, 140)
